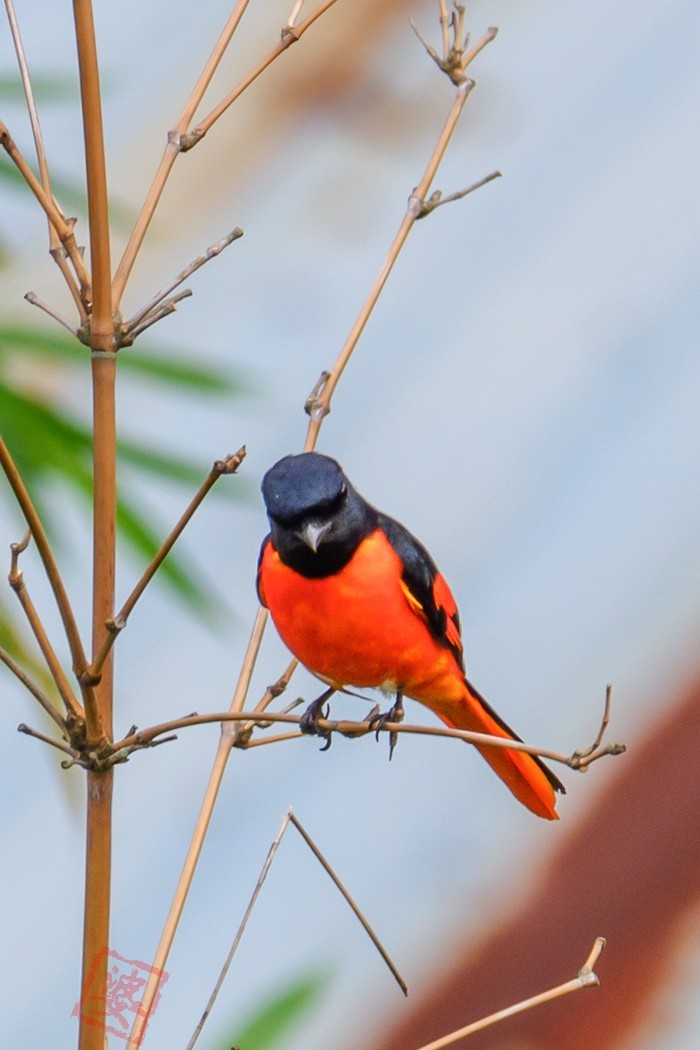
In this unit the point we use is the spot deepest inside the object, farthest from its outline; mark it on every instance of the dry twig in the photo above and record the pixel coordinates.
(31, 686)
(115, 624)
(290, 818)
(56, 249)
(352, 729)
(586, 978)
(16, 579)
(136, 324)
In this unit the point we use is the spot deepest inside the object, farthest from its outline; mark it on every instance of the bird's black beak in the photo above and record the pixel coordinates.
(313, 533)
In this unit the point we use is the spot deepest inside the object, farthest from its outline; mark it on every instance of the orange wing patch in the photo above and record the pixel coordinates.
(413, 602)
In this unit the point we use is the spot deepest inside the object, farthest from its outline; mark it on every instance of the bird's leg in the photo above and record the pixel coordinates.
(394, 714)
(308, 722)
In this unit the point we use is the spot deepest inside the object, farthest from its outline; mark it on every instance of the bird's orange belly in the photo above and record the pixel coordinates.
(357, 627)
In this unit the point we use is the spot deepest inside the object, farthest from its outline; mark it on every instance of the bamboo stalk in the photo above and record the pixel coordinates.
(98, 852)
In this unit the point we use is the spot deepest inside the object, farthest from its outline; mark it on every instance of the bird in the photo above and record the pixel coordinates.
(360, 603)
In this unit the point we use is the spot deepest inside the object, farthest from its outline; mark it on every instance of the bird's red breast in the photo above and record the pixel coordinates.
(362, 626)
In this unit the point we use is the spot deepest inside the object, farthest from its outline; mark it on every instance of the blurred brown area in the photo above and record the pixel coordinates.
(339, 67)
(630, 871)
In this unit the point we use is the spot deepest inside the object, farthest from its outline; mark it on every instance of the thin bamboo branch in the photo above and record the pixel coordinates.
(436, 200)
(586, 978)
(47, 651)
(60, 257)
(38, 694)
(31, 108)
(172, 150)
(167, 307)
(276, 739)
(28, 731)
(363, 921)
(290, 35)
(241, 929)
(210, 253)
(46, 554)
(63, 227)
(199, 834)
(115, 624)
(290, 817)
(320, 405)
(579, 760)
(445, 26)
(34, 299)
(55, 247)
(242, 732)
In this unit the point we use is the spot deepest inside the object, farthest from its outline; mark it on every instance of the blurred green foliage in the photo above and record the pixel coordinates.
(278, 1014)
(53, 444)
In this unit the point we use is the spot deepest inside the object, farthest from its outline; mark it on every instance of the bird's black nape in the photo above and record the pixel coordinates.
(299, 485)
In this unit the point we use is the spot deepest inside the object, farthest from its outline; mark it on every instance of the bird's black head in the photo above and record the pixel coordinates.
(317, 518)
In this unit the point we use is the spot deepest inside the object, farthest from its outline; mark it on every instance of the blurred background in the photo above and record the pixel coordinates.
(525, 399)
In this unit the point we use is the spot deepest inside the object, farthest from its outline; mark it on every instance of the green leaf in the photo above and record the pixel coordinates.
(47, 87)
(44, 443)
(279, 1014)
(157, 365)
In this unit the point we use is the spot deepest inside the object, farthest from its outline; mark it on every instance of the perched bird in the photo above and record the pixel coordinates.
(360, 602)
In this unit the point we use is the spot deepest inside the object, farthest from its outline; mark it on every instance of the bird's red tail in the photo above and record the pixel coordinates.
(527, 776)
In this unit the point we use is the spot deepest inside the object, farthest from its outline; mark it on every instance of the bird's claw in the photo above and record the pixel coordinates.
(378, 720)
(308, 723)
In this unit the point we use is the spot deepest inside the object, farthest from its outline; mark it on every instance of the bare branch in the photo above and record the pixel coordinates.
(52, 662)
(368, 726)
(34, 689)
(34, 299)
(228, 465)
(291, 33)
(582, 759)
(456, 55)
(28, 731)
(210, 253)
(31, 107)
(321, 401)
(241, 929)
(242, 733)
(172, 150)
(291, 818)
(56, 249)
(167, 307)
(363, 921)
(200, 831)
(47, 557)
(436, 199)
(63, 227)
(586, 978)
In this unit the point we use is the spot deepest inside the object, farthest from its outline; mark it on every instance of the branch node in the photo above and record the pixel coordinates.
(230, 463)
(315, 405)
(175, 138)
(456, 54)
(17, 548)
(34, 299)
